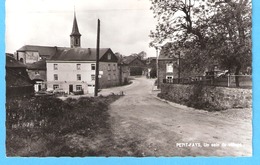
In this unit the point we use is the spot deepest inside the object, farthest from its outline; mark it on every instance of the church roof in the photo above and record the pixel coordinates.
(78, 54)
(75, 29)
(43, 50)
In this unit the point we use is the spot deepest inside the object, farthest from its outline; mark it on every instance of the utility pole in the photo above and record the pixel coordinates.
(179, 67)
(97, 60)
(157, 66)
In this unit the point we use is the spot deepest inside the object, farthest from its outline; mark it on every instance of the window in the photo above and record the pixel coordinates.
(55, 86)
(114, 76)
(93, 67)
(78, 77)
(55, 66)
(108, 67)
(169, 79)
(109, 56)
(114, 67)
(78, 66)
(77, 41)
(21, 60)
(169, 68)
(78, 87)
(108, 77)
(55, 76)
(93, 77)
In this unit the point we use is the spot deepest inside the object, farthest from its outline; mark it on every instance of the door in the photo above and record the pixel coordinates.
(70, 88)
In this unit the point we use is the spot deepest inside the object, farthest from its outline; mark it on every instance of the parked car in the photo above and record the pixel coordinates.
(43, 92)
(223, 74)
(80, 92)
(58, 91)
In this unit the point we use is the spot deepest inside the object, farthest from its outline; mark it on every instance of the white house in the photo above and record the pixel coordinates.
(73, 69)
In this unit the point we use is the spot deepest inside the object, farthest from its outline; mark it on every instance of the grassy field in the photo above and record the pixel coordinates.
(48, 126)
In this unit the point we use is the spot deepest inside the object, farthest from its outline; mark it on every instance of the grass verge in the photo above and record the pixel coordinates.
(44, 126)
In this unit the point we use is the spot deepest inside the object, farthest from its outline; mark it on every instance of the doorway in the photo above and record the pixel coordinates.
(70, 88)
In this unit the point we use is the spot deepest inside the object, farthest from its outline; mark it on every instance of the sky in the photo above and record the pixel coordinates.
(125, 24)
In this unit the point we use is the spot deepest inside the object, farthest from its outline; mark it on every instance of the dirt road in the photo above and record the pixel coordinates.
(143, 125)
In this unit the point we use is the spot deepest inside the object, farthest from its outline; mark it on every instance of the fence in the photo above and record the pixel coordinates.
(245, 81)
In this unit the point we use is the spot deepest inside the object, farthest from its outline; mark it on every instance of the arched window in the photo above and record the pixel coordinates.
(77, 41)
(21, 60)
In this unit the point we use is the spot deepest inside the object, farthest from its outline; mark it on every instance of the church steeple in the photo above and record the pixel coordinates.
(75, 35)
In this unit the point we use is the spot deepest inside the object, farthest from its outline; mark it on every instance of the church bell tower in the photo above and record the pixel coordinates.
(75, 35)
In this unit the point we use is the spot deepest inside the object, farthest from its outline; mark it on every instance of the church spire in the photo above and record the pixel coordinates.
(75, 35)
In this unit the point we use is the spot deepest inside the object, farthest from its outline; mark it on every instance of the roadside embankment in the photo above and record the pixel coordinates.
(207, 97)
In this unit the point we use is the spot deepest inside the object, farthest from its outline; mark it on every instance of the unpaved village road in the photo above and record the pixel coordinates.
(146, 126)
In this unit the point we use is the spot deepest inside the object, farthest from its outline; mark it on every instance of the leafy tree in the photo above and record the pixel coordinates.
(140, 55)
(214, 31)
(232, 35)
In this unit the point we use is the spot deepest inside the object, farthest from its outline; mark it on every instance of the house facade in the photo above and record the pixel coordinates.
(168, 63)
(71, 76)
(38, 75)
(73, 69)
(124, 73)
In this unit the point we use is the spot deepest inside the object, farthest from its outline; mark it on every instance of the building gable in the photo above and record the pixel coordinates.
(108, 56)
(137, 62)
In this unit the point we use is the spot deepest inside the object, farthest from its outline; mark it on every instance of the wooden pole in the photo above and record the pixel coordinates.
(179, 67)
(157, 67)
(97, 60)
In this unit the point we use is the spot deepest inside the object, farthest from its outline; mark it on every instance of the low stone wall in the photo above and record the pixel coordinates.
(207, 97)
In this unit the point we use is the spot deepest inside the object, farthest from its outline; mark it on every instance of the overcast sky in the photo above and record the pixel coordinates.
(125, 24)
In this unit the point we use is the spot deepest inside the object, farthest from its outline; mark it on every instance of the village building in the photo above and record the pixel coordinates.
(136, 66)
(70, 68)
(37, 73)
(18, 82)
(124, 71)
(33, 53)
(73, 69)
(168, 63)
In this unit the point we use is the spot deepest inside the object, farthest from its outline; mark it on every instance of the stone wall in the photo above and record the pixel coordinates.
(207, 97)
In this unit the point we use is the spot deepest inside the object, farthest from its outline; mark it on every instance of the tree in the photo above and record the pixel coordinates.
(234, 28)
(140, 55)
(214, 30)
